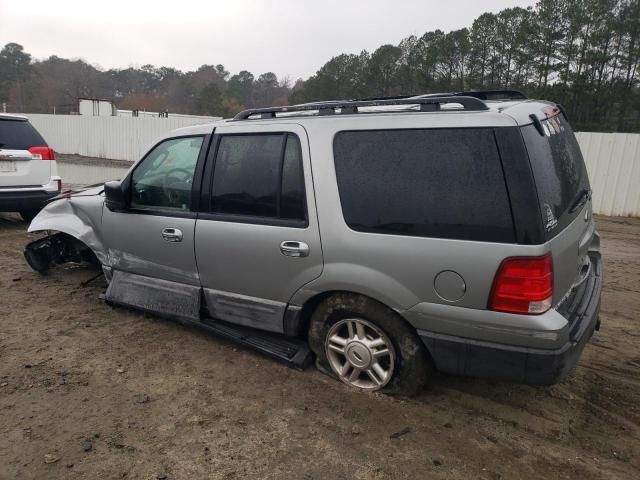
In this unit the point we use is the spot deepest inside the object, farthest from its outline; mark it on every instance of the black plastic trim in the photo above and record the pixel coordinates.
(20, 201)
(277, 222)
(521, 186)
(196, 184)
(494, 94)
(563, 111)
(293, 351)
(161, 212)
(537, 123)
(293, 323)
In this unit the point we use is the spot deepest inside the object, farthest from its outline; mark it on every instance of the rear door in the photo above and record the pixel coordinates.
(257, 239)
(18, 166)
(564, 194)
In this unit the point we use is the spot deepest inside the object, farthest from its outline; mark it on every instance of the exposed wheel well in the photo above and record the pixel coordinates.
(310, 305)
(57, 249)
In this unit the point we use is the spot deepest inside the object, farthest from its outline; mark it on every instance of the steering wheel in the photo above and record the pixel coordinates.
(172, 177)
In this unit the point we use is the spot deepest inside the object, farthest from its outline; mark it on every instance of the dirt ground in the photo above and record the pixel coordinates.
(105, 393)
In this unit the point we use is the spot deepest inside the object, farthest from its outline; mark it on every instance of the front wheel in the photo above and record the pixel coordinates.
(368, 346)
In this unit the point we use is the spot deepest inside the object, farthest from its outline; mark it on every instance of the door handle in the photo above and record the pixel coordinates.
(292, 248)
(172, 235)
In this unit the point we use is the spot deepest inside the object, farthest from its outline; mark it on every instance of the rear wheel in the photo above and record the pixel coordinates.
(368, 346)
(28, 215)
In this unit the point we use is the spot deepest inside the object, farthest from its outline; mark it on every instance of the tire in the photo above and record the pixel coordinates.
(407, 365)
(28, 215)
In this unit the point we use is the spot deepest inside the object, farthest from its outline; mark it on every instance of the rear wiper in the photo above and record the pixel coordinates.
(583, 196)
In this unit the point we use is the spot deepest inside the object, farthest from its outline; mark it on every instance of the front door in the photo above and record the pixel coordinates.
(150, 244)
(257, 239)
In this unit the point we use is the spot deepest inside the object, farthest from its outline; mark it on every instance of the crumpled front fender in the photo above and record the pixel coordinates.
(79, 216)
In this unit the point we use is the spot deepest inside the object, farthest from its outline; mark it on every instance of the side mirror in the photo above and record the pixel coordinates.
(115, 198)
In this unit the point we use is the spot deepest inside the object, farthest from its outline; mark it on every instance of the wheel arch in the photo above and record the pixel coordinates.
(309, 306)
(65, 216)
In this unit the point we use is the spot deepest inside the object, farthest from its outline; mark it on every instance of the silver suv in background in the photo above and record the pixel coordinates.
(28, 172)
(386, 238)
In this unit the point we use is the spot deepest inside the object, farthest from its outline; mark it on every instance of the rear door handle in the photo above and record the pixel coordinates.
(172, 235)
(292, 248)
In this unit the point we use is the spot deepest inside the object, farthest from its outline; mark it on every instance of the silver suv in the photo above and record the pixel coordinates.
(386, 238)
(28, 172)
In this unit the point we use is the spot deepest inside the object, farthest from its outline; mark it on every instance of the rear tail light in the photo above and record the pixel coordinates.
(42, 153)
(551, 111)
(523, 285)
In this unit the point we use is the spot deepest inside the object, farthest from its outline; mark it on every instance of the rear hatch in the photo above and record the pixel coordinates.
(24, 157)
(564, 195)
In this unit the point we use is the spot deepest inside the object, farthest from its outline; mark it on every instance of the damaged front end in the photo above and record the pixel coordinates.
(57, 249)
(73, 222)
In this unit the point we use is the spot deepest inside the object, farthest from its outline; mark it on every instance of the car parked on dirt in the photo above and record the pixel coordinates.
(28, 172)
(389, 238)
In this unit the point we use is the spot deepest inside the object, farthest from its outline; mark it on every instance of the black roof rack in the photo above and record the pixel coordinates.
(480, 94)
(494, 94)
(427, 104)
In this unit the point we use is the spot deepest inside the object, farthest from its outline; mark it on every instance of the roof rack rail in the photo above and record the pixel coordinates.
(493, 94)
(395, 97)
(430, 104)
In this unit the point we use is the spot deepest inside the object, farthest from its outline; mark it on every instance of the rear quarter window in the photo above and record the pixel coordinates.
(445, 183)
(19, 135)
(559, 172)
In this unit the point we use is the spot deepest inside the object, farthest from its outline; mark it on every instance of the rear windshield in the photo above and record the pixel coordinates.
(19, 135)
(559, 171)
(445, 183)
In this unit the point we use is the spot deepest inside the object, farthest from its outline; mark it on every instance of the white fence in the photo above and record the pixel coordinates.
(119, 138)
(89, 174)
(613, 162)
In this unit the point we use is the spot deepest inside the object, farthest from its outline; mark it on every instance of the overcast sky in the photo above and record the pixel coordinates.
(288, 37)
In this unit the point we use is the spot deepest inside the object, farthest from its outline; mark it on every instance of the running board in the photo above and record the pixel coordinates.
(293, 351)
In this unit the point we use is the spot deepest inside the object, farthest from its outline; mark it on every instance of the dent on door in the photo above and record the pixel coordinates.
(153, 264)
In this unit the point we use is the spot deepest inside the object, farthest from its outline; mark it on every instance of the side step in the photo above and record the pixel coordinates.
(292, 351)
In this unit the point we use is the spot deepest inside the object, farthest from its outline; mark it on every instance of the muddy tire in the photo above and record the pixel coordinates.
(28, 215)
(368, 346)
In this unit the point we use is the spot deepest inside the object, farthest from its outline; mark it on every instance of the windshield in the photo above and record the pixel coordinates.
(559, 171)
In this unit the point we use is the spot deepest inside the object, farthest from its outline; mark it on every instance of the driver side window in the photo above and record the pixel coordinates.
(164, 178)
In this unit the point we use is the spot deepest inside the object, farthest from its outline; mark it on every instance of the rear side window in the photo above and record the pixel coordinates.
(259, 176)
(559, 171)
(445, 183)
(19, 135)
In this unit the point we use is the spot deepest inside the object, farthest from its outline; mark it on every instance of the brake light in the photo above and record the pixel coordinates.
(551, 111)
(42, 153)
(523, 285)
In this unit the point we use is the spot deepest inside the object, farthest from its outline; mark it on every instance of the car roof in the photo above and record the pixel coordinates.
(12, 116)
(514, 110)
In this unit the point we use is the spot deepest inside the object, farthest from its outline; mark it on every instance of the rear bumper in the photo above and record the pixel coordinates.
(17, 201)
(535, 366)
